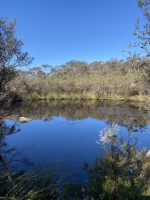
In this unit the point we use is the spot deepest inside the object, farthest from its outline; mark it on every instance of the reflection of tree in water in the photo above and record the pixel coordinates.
(139, 124)
(119, 171)
(10, 158)
(20, 182)
(11, 154)
(4, 151)
(130, 116)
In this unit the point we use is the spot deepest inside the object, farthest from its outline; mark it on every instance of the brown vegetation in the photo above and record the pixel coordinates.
(115, 79)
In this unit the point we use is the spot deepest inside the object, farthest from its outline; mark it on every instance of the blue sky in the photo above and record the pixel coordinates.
(57, 31)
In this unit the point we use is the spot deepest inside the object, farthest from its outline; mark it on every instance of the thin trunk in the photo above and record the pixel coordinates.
(7, 170)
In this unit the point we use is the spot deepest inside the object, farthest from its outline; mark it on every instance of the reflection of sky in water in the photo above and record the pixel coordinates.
(74, 139)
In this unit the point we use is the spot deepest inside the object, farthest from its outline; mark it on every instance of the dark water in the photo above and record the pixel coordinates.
(69, 130)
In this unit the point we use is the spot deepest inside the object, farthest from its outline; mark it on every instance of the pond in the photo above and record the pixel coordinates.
(68, 130)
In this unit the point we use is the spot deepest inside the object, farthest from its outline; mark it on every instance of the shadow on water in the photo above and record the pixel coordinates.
(132, 115)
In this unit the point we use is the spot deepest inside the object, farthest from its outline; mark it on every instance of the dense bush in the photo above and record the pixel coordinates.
(120, 172)
(75, 79)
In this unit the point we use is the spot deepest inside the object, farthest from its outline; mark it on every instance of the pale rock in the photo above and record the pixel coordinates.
(25, 119)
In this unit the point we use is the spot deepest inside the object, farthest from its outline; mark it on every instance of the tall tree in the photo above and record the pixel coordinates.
(11, 53)
(142, 26)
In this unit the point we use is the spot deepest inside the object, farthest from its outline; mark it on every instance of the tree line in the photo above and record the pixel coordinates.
(126, 79)
(113, 79)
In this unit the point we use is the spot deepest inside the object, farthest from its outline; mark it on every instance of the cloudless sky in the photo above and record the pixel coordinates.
(57, 31)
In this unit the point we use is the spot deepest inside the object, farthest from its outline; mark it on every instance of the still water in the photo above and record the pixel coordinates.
(69, 130)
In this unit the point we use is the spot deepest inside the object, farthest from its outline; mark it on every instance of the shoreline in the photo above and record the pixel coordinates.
(139, 98)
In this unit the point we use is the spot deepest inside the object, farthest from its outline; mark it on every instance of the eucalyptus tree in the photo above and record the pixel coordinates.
(11, 53)
(142, 26)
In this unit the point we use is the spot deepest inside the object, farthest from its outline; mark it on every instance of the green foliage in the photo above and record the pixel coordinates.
(43, 182)
(115, 79)
(11, 56)
(142, 27)
(120, 172)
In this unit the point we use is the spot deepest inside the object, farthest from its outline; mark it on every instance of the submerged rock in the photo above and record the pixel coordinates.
(25, 119)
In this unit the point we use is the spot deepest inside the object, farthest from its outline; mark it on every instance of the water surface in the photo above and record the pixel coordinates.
(69, 130)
